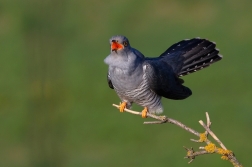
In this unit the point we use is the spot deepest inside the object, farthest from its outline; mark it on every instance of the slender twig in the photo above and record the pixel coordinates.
(210, 148)
(191, 154)
(231, 156)
(213, 135)
(197, 153)
(162, 119)
(208, 122)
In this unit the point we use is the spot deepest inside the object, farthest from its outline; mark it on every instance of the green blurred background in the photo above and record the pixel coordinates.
(55, 105)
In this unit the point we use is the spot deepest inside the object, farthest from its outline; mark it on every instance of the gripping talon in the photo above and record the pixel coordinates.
(122, 106)
(144, 112)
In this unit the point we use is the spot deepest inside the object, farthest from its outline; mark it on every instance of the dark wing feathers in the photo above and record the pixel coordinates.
(109, 82)
(180, 59)
(162, 80)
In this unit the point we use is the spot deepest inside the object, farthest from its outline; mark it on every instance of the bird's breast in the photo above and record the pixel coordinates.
(140, 94)
(126, 80)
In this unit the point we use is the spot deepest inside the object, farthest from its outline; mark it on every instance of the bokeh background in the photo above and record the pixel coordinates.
(55, 105)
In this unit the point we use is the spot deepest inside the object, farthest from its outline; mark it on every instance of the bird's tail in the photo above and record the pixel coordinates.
(192, 55)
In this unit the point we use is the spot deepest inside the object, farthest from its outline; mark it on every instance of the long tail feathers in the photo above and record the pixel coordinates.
(191, 55)
(199, 57)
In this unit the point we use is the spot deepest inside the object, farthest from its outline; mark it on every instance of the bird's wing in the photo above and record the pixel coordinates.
(109, 82)
(163, 81)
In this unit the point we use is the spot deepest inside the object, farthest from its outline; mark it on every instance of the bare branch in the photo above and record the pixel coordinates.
(155, 122)
(191, 154)
(208, 149)
(208, 122)
(162, 119)
(213, 135)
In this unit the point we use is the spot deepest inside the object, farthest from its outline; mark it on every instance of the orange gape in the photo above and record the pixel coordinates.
(116, 46)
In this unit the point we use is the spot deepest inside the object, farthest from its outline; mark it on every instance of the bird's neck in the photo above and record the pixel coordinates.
(127, 63)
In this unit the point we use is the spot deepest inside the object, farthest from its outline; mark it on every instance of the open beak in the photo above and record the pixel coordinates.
(116, 46)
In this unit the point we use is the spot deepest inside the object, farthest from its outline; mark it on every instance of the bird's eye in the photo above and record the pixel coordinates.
(125, 43)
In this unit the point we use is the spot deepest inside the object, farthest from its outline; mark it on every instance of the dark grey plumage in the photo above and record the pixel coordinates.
(141, 80)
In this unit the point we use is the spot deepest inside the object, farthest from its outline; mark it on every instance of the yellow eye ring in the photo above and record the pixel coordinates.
(125, 43)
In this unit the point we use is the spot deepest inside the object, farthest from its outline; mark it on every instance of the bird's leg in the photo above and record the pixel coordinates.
(144, 112)
(122, 106)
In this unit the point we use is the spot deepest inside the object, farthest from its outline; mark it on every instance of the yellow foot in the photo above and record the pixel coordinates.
(122, 106)
(144, 112)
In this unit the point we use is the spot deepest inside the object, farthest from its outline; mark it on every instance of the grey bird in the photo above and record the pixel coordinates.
(144, 81)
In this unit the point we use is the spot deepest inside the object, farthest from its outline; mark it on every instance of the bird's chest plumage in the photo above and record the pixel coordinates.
(125, 80)
(134, 88)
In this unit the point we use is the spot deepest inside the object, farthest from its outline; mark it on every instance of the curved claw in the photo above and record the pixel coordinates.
(122, 106)
(144, 112)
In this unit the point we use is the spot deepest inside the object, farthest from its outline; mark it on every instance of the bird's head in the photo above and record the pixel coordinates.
(119, 44)
(122, 55)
